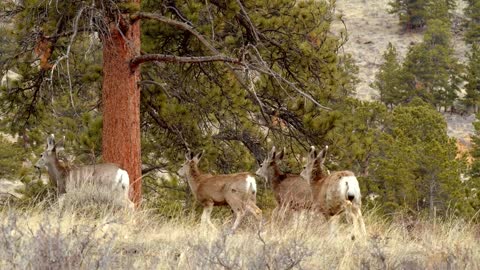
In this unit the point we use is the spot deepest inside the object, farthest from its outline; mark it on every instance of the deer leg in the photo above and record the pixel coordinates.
(359, 219)
(238, 207)
(351, 217)
(239, 214)
(128, 203)
(61, 201)
(254, 210)
(333, 224)
(207, 211)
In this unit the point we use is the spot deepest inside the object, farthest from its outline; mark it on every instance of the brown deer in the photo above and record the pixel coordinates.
(236, 190)
(333, 193)
(105, 175)
(291, 190)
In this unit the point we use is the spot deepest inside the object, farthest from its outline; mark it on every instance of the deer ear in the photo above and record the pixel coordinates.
(271, 155)
(323, 153)
(199, 155)
(50, 142)
(59, 146)
(189, 155)
(280, 155)
(313, 152)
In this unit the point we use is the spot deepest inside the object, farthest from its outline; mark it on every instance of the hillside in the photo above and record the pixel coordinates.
(370, 28)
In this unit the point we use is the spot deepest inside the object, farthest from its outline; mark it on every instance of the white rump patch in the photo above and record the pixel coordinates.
(251, 183)
(353, 188)
(122, 179)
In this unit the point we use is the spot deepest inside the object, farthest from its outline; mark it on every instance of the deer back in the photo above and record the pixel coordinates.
(216, 187)
(107, 175)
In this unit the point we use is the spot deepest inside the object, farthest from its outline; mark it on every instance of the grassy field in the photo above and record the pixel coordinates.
(98, 237)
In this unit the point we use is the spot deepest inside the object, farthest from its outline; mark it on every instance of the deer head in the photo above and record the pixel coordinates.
(191, 161)
(49, 156)
(314, 166)
(269, 168)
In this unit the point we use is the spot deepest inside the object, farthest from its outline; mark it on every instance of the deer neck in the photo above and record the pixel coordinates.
(319, 175)
(193, 177)
(277, 177)
(58, 173)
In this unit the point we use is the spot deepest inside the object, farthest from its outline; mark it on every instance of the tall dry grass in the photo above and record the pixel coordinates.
(87, 235)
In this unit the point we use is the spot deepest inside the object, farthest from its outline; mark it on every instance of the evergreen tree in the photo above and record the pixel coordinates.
(472, 77)
(472, 11)
(388, 79)
(415, 164)
(430, 70)
(415, 13)
(195, 103)
(221, 117)
(472, 183)
(411, 13)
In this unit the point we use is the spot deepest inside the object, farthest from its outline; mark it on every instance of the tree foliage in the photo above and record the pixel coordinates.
(472, 12)
(414, 14)
(388, 80)
(415, 165)
(430, 70)
(472, 78)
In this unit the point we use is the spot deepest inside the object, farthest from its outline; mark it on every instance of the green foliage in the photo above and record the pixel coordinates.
(472, 185)
(11, 157)
(430, 70)
(415, 164)
(472, 77)
(410, 12)
(472, 11)
(388, 79)
(415, 13)
(206, 106)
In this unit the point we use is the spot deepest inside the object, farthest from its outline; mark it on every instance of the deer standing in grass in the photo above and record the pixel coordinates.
(333, 193)
(236, 190)
(106, 175)
(291, 190)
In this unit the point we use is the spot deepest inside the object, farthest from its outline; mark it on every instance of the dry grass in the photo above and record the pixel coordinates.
(70, 238)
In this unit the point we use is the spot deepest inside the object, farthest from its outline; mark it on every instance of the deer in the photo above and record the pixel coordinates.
(291, 191)
(66, 179)
(237, 190)
(333, 193)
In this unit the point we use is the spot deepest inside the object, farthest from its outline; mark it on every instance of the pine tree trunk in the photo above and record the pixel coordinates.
(121, 103)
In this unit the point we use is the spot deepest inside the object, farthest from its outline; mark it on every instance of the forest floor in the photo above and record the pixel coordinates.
(97, 238)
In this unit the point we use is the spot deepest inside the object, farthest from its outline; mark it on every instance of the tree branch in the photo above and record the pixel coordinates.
(176, 24)
(135, 62)
(252, 144)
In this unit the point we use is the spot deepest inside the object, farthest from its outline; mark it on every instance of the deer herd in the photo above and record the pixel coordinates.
(315, 189)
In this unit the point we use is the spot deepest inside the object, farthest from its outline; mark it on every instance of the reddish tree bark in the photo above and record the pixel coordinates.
(121, 102)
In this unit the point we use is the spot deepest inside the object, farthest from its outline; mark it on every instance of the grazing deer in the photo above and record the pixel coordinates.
(236, 190)
(65, 179)
(333, 193)
(291, 190)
